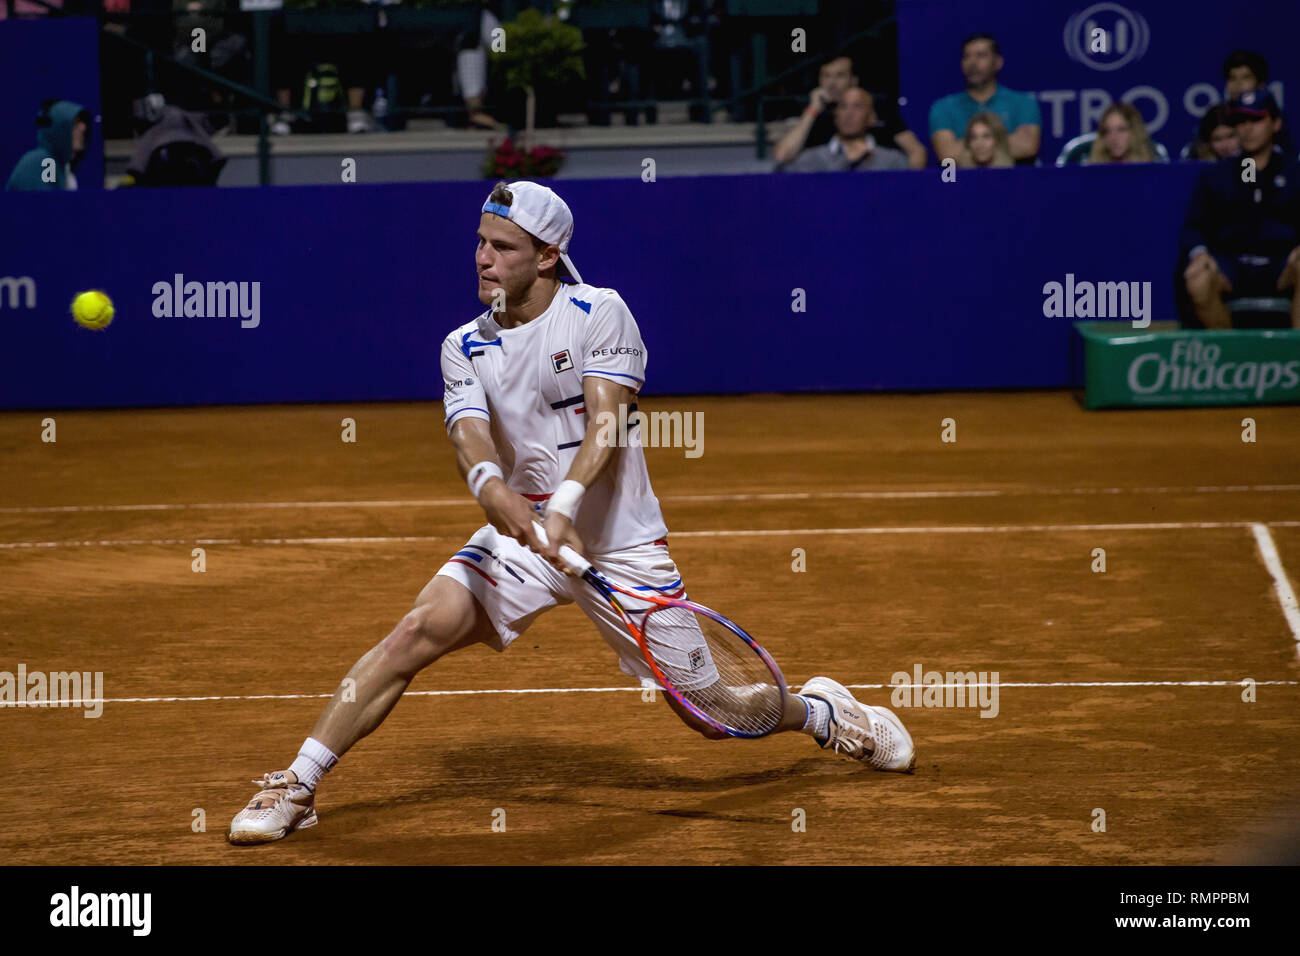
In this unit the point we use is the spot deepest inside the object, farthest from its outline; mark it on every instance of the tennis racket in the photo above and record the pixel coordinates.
(705, 662)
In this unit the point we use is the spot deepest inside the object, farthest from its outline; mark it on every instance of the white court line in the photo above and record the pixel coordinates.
(739, 496)
(1280, 582)
(741, 533)
(980, 529)
(635, 690)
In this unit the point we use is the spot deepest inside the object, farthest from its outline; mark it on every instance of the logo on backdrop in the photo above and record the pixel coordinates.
(1107, 36)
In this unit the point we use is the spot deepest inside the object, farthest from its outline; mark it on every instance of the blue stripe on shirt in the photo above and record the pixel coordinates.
(596, 371)
(468, 408)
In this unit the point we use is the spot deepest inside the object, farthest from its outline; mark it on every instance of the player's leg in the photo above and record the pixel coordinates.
(446, 617)
(794, 716)
(650, 566)
(824, 709)
(488, 592)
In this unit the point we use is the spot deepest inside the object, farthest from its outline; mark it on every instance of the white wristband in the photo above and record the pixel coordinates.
(566, 499)
(479, 475)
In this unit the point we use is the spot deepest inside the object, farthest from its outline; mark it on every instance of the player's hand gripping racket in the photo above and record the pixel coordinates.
(705, 662)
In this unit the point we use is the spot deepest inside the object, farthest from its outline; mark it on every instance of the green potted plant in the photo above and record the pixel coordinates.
(540, 53)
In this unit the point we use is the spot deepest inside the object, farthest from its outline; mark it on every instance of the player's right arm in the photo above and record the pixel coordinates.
(469, 426)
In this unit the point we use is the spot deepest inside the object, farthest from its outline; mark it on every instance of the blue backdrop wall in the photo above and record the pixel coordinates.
(910, 282)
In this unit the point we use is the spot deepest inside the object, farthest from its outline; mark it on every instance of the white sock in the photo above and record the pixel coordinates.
(314, 761)
(818, 722)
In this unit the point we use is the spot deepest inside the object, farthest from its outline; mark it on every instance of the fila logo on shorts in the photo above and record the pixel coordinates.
(562, 361)
(697, 658)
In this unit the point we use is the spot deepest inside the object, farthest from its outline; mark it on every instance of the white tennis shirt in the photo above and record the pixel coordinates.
(527, 383)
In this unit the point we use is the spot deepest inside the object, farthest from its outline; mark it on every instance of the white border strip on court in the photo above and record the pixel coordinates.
(742, 533)
(1286, 596)
(637, 690)
(737, 496)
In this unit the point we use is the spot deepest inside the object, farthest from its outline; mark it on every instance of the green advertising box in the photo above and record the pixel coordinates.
(1127, 367)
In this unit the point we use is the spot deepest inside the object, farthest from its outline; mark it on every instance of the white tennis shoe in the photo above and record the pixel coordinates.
(282, 806)
(870, 734)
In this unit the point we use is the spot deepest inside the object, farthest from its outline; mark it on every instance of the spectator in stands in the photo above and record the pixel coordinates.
(1243, 72)
(225, 52)
(1241, 235)
(981, 60)
(472, 70)
(817, 124)
(313, 63)
(1216, 138)
(985, 145)
(1121, 137)
(175, 151)
(852, 147)
(62, 129)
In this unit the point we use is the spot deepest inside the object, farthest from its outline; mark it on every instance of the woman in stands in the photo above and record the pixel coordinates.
(985, 145)
(1216, 138)
(1122, 137)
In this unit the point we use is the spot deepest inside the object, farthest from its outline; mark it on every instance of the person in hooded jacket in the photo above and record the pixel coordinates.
(62, 128)
(176, 151)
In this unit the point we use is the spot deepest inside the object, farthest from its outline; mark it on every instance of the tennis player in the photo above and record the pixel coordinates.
(526, 384)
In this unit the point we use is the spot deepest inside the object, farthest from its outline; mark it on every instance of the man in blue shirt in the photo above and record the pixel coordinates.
(980, 62)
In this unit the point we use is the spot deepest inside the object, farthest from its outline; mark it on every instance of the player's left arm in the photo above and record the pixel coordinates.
(602, 398)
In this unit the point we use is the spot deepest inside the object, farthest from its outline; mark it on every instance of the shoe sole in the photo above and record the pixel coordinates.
(890, 717)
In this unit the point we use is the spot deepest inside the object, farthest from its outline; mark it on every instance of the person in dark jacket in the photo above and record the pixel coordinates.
(1241, 235)
(175, 151)
(62, 129)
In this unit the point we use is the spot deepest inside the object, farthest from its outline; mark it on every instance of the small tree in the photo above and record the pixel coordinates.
(540, 52)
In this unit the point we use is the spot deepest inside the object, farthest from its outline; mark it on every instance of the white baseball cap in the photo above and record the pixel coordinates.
(538, 211)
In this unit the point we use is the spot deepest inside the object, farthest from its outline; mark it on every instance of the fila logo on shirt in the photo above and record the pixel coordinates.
(562, 361)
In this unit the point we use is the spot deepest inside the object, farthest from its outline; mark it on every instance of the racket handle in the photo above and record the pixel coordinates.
(576, 562)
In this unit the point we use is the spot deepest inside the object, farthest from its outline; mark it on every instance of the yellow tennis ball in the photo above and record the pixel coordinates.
(92, 309)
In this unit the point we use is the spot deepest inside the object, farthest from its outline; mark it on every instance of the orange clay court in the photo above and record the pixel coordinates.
(1118, 690)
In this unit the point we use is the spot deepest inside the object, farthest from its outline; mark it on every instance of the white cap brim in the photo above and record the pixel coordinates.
(568, 267)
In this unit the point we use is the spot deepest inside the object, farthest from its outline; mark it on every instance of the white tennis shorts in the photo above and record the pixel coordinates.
(515, 585)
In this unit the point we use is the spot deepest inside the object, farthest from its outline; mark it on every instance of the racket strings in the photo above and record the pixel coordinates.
(715, 669)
